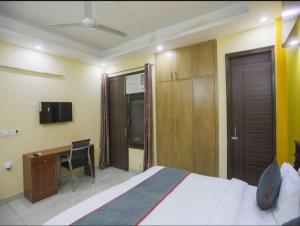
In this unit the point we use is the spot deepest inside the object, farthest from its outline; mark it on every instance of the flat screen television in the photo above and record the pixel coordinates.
(53, 112)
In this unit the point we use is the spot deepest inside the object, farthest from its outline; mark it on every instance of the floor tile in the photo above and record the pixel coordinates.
(21, 211)
(7, 215)
(18, 222)
(43, 210)
(23, 208)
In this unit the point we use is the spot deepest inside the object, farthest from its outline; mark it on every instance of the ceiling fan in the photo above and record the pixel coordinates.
(90, 22)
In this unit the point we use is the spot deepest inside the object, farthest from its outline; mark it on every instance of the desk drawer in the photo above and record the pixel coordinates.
(43, 160)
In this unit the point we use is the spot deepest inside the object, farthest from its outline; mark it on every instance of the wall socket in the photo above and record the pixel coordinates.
(9, 132)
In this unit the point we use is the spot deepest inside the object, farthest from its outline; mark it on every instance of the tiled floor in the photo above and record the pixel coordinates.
(22, 212)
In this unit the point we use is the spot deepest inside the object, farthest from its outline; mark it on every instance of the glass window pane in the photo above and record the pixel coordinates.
(137, 121)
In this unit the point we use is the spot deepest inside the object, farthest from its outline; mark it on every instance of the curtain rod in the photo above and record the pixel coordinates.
(127, 70)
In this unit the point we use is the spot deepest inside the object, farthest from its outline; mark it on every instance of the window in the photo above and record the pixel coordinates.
(136, 120)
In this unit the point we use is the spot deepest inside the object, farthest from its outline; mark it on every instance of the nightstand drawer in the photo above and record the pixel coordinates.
(42, 160)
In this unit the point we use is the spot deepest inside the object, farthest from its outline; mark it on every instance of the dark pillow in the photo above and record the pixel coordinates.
(268, 187)
(293, 222)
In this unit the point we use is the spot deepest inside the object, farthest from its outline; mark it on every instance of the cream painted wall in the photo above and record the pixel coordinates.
(136, 160)
(251, 39)
(136, 156)
(20, 94)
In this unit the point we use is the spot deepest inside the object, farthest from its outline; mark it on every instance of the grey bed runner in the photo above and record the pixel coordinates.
(132, 206)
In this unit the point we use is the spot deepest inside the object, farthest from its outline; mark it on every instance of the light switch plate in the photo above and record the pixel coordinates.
(9, 132)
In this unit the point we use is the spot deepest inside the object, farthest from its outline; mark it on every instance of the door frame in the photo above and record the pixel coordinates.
(228, 57)
(124, 75)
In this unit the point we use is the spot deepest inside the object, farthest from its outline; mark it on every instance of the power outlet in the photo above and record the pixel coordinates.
(10, 132)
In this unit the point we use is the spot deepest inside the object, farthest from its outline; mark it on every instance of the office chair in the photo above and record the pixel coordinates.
(79, 156)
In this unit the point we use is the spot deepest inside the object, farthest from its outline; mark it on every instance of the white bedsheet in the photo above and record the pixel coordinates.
(197, 200)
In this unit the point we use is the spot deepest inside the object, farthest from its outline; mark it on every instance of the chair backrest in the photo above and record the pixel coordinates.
(80, 153)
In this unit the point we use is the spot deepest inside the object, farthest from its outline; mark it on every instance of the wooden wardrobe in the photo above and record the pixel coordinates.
(186, 113)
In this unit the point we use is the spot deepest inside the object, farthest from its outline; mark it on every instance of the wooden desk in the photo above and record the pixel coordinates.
(40, 173)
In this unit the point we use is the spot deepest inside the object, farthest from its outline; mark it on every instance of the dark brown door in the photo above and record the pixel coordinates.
(251, 114)
(118, 123)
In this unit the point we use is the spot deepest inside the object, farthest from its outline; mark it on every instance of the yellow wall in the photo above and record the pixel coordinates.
(250, 39)
(293, 78)
(20, 94)
(136, 160)
(281, 95)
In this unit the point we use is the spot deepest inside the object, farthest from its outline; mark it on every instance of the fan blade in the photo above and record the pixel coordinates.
(68, 25)
(110, 30)
(89, 9)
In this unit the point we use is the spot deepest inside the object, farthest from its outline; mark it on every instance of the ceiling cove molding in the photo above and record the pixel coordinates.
(14, 26)
(179, 30)
(28, 42)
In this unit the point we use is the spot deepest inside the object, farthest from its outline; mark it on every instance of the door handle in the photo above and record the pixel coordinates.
(235, 135)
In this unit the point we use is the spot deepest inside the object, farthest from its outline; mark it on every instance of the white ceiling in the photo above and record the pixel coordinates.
(146, 23)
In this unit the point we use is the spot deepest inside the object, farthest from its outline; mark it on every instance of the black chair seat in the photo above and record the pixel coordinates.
(65, 165)
(76, 163)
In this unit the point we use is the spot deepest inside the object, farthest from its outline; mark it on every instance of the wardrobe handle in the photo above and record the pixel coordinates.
(197, 126)
(171, 75)
(176, 126)
(171, 124)
(175, 75)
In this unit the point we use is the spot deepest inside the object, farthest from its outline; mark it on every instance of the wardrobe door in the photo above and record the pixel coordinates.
(182, 99)
(165, 123)
(183, 63)
(203, 58)
(118, 123)
(165, 66)
(204, 115)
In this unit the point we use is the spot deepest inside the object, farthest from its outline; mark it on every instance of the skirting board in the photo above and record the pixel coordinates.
(134, 171)
(11, 198)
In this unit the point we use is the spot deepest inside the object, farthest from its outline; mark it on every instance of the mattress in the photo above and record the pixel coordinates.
(197, 200)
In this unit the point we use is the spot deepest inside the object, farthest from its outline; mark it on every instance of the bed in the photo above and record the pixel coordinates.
(191, 199)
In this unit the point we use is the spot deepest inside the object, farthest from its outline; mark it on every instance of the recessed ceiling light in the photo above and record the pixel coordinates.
(38, 47)
(263, 19)
(290, 12)
(159, 48)
(103, 64)
(293, 42)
